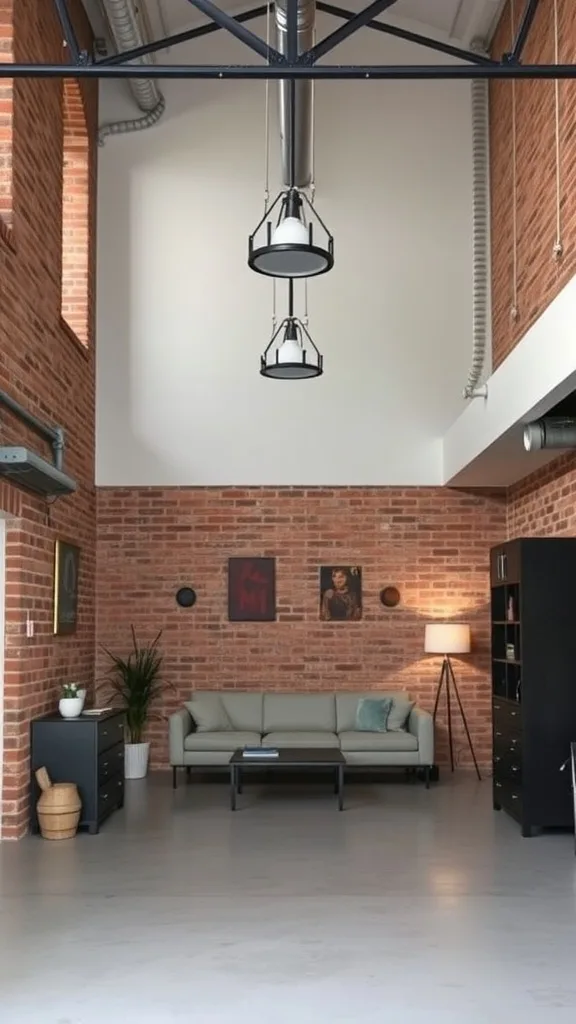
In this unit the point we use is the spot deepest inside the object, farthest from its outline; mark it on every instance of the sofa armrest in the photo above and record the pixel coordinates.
(421, 725)
(180, 726)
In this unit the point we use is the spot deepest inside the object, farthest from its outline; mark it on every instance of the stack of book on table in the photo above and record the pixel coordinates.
(260, 752)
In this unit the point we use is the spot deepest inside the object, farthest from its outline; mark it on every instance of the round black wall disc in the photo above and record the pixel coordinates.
(186, 597)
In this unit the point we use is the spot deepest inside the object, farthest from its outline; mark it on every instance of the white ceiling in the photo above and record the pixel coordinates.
(459, 20)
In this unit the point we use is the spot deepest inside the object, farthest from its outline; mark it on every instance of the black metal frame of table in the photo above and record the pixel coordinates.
(289, 757)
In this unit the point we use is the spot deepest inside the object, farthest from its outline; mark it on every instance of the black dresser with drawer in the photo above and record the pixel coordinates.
(88, 751)
(533, 621)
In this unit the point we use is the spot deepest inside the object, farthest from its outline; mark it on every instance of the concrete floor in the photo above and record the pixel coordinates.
(411, 907)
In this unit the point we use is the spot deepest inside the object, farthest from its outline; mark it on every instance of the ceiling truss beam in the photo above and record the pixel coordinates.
(301, 66)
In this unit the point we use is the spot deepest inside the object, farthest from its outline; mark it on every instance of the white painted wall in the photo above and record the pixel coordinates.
(182, 321)
(2, 643)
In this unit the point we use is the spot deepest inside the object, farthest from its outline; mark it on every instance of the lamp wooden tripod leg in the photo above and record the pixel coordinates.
(448, 680)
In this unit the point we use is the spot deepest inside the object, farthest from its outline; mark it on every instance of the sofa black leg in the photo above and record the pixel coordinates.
(174, 778)
(188, 773)
(427, 776)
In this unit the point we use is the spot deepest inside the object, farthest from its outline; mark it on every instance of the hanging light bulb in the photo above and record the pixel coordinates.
(286, 357)
(291, 249)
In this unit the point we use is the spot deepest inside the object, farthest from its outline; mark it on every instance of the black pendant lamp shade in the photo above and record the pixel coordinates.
(299, 245)
(292, 247)
(291, 354)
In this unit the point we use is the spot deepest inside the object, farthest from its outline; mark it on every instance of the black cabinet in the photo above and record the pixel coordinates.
(88, 751)
(533, 623)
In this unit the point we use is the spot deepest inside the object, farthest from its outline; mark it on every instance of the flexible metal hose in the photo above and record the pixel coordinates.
(127, 34)
(480, 238)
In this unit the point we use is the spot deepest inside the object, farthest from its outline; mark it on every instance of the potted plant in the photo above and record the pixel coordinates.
(136, 681)
(72, 700)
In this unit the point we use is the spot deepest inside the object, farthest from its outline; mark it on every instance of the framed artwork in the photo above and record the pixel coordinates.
(66, 571)
(251, 589)
(340, 593)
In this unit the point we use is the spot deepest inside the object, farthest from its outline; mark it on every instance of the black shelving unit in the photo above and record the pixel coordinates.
(533, 622)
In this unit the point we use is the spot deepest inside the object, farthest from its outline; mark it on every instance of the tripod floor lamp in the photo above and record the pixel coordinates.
(448, 638)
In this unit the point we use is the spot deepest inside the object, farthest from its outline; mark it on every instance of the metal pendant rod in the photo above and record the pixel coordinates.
(523, 30)
(347, 29)
(290, 297)
(409, 37)
(292, 133)
(68, 30)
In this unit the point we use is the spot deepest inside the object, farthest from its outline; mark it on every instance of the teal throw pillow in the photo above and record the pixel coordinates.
(372, 714)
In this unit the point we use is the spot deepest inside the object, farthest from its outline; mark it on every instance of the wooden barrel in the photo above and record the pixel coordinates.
(58, 808)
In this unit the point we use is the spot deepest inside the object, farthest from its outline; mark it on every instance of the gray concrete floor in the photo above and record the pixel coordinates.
(411, 907)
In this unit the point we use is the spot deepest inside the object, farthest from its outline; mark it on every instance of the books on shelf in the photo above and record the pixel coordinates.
(262, 752)
(96, 711)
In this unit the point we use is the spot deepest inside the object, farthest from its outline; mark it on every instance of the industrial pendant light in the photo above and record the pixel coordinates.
(291, 248)
(286, 358)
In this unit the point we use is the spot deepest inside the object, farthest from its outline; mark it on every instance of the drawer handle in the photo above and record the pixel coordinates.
(497, 759)
(499, 785)
(514, 768)
(120, 784)
(496, 707)
(513, 714)
(105, 765)
(498, 733)
(104, 732)
(514, 796)
(104, 796)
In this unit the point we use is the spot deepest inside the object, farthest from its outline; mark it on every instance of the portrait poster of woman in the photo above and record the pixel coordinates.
(340, 593)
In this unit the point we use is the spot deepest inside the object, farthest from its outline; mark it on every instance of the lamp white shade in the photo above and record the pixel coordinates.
(447, 638)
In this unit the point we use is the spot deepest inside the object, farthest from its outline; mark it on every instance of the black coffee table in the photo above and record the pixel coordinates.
(289, 757)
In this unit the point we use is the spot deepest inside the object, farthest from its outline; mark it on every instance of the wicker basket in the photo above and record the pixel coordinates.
(58, 808)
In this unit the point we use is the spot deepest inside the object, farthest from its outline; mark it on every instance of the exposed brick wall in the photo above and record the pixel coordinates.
(540, 275)
(6, 118)
(544, 504)
(51, 374)
(75, 213)
(431, 543)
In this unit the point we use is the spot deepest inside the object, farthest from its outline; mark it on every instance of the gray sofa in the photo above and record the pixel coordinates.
(301, 720)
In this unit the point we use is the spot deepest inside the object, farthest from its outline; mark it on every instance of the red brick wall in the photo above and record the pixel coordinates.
(75, 213)
(430, 543)
(540, 275)
(45, 367)
(6, 114)
(544, 504)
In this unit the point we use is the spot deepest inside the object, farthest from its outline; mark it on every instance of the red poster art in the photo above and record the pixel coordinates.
(251, 589)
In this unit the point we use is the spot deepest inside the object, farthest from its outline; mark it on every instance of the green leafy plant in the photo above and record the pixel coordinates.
(69, 691)
(136, 680)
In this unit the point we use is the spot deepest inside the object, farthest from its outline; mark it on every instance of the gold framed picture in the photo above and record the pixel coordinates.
(66, 573)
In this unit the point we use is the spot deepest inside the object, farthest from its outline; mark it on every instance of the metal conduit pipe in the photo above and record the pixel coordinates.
(127, 33)
(480, 238)
(301, 139)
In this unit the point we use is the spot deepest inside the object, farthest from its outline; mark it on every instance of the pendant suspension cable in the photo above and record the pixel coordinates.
(558, 248)
(267, 116)
(292, 133)
(305, 319)
(313, 131)
(274, 314)
(514, 310)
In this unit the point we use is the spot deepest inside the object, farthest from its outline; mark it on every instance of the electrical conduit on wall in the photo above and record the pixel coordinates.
(128, 34)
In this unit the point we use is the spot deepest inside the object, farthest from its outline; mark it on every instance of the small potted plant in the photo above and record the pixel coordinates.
(72, 700)
(137, 682)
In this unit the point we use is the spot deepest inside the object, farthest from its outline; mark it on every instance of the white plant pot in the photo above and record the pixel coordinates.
(70, 707)
(136, 760)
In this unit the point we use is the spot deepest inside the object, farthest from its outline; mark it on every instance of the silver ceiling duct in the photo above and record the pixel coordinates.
(301, 138)
(125, 26)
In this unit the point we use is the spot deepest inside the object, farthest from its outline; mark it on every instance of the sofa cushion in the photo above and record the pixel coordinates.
(299, 712)
(208, 712)
(372, 714)
(221, 740)
(347, 703)
(244, 709)
(399, 714)
(376, 741)
(300, 739)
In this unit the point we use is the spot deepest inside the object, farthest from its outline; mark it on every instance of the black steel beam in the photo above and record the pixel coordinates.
(523, 30)
(407, 36)
(180, 37)
(349, 27)
(235, 28)
(68, 31)
(400, 72)
(292, 31)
